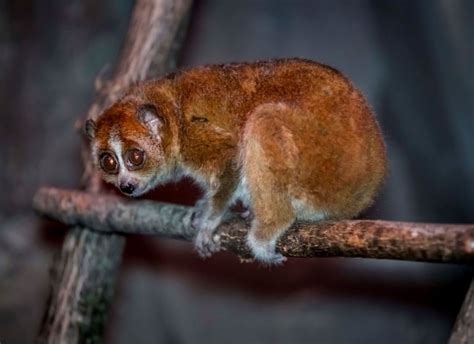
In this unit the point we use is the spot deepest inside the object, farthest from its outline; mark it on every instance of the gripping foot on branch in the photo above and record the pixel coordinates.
(205, 242)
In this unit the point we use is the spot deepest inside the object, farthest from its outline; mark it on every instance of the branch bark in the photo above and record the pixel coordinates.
(85, 274)
(463, 331)
(357, 238)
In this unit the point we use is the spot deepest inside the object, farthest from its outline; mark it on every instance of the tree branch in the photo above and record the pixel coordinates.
(356, 238)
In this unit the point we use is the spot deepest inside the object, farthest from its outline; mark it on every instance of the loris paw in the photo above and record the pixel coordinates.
(206, 244)
(264, 251)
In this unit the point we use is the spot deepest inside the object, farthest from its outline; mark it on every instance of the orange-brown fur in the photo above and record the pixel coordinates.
(297, 131)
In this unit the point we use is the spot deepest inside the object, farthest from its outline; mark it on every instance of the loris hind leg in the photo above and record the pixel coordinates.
(266, 166)
(273, 216)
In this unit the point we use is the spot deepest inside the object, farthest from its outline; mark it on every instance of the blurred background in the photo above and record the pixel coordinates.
(412, 59)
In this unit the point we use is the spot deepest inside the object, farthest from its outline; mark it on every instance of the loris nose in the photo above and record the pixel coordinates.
(127, 188)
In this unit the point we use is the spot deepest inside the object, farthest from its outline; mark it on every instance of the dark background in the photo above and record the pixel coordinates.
(412, 59)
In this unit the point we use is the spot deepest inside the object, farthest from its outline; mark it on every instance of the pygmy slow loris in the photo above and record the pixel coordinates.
(291, 138)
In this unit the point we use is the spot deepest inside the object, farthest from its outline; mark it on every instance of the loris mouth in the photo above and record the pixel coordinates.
(137, 192)
(140, 187)
(130, 189)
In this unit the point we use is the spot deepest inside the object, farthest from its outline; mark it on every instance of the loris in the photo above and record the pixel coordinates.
(292, 139)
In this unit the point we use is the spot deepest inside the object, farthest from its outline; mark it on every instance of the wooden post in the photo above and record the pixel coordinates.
(85, 274)
(463, 331)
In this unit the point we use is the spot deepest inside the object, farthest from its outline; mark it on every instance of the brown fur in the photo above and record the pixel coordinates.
(295, 129)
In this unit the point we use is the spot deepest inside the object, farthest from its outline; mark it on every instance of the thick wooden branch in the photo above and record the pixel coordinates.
(463, 331)
(84, 276)
(356, 238)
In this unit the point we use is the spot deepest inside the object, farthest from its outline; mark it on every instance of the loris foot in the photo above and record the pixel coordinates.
(264, 251)
(206, 243)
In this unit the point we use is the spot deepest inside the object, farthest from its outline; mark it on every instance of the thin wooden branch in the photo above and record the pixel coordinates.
(84, 276)
(463, 330)
(356, 238)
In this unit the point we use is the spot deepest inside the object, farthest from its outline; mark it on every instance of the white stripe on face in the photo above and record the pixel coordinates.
(116, 146)
(124, 175)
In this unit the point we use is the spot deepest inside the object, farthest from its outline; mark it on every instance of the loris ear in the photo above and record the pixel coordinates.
(150, 118)
(90, 128)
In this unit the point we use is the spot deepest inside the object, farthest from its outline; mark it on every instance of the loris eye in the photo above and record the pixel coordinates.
(135, 158)
(108, 163)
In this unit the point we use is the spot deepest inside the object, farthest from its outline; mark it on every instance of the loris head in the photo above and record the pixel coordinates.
(132, 144)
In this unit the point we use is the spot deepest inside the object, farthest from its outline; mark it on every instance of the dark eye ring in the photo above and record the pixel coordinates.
(109, 163)
(135, 158)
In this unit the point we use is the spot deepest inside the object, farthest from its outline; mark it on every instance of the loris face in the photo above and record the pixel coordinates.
(129, 146)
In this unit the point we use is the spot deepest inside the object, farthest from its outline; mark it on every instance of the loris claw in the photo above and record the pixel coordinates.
(293, 139)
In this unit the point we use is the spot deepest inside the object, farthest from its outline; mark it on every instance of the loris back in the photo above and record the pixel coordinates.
(292, 138)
